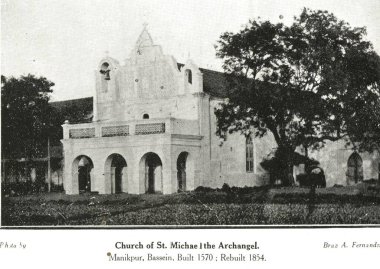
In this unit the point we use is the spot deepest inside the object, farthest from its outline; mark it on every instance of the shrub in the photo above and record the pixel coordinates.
(275, 165)
(23, 188)
(309, 180)
(204, 189)
(302, 179)
(226, 188)
(56, 188)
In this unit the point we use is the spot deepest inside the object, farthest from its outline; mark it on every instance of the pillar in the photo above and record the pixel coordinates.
(107, 185)
(158, 179)
(113, 181)
(135, 182)
(73, 188)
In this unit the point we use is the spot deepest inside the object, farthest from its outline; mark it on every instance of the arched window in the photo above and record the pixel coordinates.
(249, 154)
(189, 76)
(146, 116)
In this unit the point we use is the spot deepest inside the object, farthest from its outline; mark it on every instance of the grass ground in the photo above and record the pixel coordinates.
(232, 206)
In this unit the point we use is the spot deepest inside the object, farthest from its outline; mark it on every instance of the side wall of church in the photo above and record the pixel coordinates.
(228, 158)
(333, 158)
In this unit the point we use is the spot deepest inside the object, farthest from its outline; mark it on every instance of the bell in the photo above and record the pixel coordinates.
(107, 75)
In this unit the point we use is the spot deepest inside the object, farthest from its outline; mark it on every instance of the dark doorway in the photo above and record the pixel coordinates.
(84, 174)
(150, 179)
(116, 173)
(118, 179)
(117, 167)
(153, 171)
(354, 168)
(181, 171)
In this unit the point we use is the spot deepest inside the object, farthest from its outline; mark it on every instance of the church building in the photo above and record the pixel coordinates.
(153, 131)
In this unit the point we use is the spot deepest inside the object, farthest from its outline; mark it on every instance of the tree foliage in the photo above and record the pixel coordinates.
(363, 127)
(26, 116)
(304, 83)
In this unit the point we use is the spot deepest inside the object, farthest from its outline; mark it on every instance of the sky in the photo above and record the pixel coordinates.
(65, 40)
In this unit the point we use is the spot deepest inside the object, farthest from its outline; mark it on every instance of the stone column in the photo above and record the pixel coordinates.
(73, 188)
(124, 179)
(113, 181)
(167, 175)
(134, 181)
(107, 185)
(190, 178)
(92, 181)
(158, 179)
(197, 178)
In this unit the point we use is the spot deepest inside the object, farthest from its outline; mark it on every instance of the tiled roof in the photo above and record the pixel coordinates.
(68, 103)
(75, 110)
(214, 82)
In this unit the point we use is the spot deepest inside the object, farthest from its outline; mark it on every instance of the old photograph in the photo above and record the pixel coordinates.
(190, 113)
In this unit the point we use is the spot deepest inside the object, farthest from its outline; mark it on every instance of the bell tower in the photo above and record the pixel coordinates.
(107, 86)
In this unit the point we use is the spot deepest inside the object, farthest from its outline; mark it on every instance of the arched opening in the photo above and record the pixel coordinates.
(104, 66)
(82, 167)
(181, 171)
(105, 71)
(146, 116)
(189, 76)
(116, 173)
(151, 172)
(354, 168)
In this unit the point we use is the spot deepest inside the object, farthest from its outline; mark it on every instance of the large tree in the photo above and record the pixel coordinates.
(363, 125)
(303, 83)
(26, 116)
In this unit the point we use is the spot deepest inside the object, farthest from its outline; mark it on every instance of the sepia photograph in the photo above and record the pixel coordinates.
(217, 114)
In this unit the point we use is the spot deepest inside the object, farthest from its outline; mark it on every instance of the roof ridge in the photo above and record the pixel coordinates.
(202, 68)
(70, 100)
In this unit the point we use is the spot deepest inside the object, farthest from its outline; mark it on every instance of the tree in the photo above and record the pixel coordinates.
(26, 116)
(364, 128)
(363, 125)
(302, 83)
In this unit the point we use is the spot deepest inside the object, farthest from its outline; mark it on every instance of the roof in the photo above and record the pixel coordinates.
(75, 110)
(214, 82)
(68, 103)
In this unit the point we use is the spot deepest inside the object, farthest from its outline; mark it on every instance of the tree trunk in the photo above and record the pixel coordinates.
(307, 157)
(285, 156)
(289, 174)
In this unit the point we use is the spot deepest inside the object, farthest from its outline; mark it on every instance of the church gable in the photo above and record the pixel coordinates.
(123, 92)
(145, 49)
(154, 79)
(154, 74)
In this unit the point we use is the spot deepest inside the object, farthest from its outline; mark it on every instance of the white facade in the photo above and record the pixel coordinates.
(153, 130)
